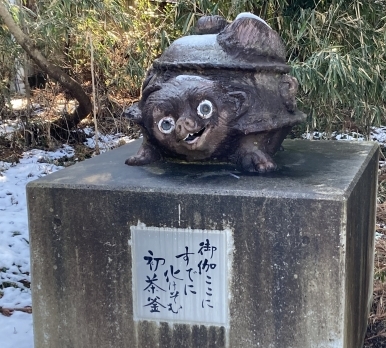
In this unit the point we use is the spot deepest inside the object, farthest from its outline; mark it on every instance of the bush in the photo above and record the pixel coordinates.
(336, 48)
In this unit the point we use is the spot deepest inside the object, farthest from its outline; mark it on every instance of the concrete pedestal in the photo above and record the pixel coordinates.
(293, 251)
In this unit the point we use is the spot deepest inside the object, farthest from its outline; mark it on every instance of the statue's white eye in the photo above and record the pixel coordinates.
(205, 109)
(166, 125)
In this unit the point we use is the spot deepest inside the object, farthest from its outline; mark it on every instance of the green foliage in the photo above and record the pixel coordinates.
(151, 31)
(336, 48)
(337, 52)
(9, 51)
(125, 39)
(68, 27)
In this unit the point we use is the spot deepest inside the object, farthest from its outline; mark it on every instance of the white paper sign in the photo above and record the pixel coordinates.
(180, 275)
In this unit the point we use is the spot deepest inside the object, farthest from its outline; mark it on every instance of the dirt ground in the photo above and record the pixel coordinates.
(376, 330)
(375, 335)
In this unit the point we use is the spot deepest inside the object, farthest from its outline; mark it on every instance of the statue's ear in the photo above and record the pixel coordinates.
(133, 113)
(288, 88)
(149, 76)
(251, 39)
(241, 101)
(149, 90)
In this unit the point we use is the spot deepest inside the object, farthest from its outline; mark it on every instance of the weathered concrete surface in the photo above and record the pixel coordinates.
(302, 260)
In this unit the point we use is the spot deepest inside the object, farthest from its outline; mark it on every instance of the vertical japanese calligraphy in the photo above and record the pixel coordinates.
(180, 275)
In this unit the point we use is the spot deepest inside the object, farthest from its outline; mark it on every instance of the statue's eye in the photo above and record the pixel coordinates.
(205, 109)
(166, 125)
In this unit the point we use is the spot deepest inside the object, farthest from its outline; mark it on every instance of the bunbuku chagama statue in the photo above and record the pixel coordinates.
(221, 95)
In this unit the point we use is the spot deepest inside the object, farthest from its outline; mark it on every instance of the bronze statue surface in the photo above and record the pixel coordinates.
(221, 95)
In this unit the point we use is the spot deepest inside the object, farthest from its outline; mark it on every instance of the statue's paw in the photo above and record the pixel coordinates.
(146, 154)
(257, 162)
(137, 160)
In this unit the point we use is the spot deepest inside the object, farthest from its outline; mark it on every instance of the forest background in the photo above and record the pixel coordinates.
(336, 50)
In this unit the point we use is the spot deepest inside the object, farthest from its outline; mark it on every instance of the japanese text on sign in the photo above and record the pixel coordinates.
(180, 275)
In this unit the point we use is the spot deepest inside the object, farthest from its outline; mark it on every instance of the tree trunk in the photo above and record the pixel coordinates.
(53, 71)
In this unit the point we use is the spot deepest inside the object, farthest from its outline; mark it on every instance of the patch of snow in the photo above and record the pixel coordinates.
(349, 137)
(251, 15)
(183, 78)
(14, 240)
(7, 127)
(19, 103)
(376, 134)
(16, 330)
(198, 41)
(106, 142)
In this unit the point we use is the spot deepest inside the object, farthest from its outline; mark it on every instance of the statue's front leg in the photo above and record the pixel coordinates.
(145, 155)
(252, 155)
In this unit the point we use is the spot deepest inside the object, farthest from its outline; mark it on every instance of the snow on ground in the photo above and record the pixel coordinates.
(16, 330)
(376, 134)
(14, 246)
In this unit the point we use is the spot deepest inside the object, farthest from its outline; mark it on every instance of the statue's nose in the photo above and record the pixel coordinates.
(184, 126)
